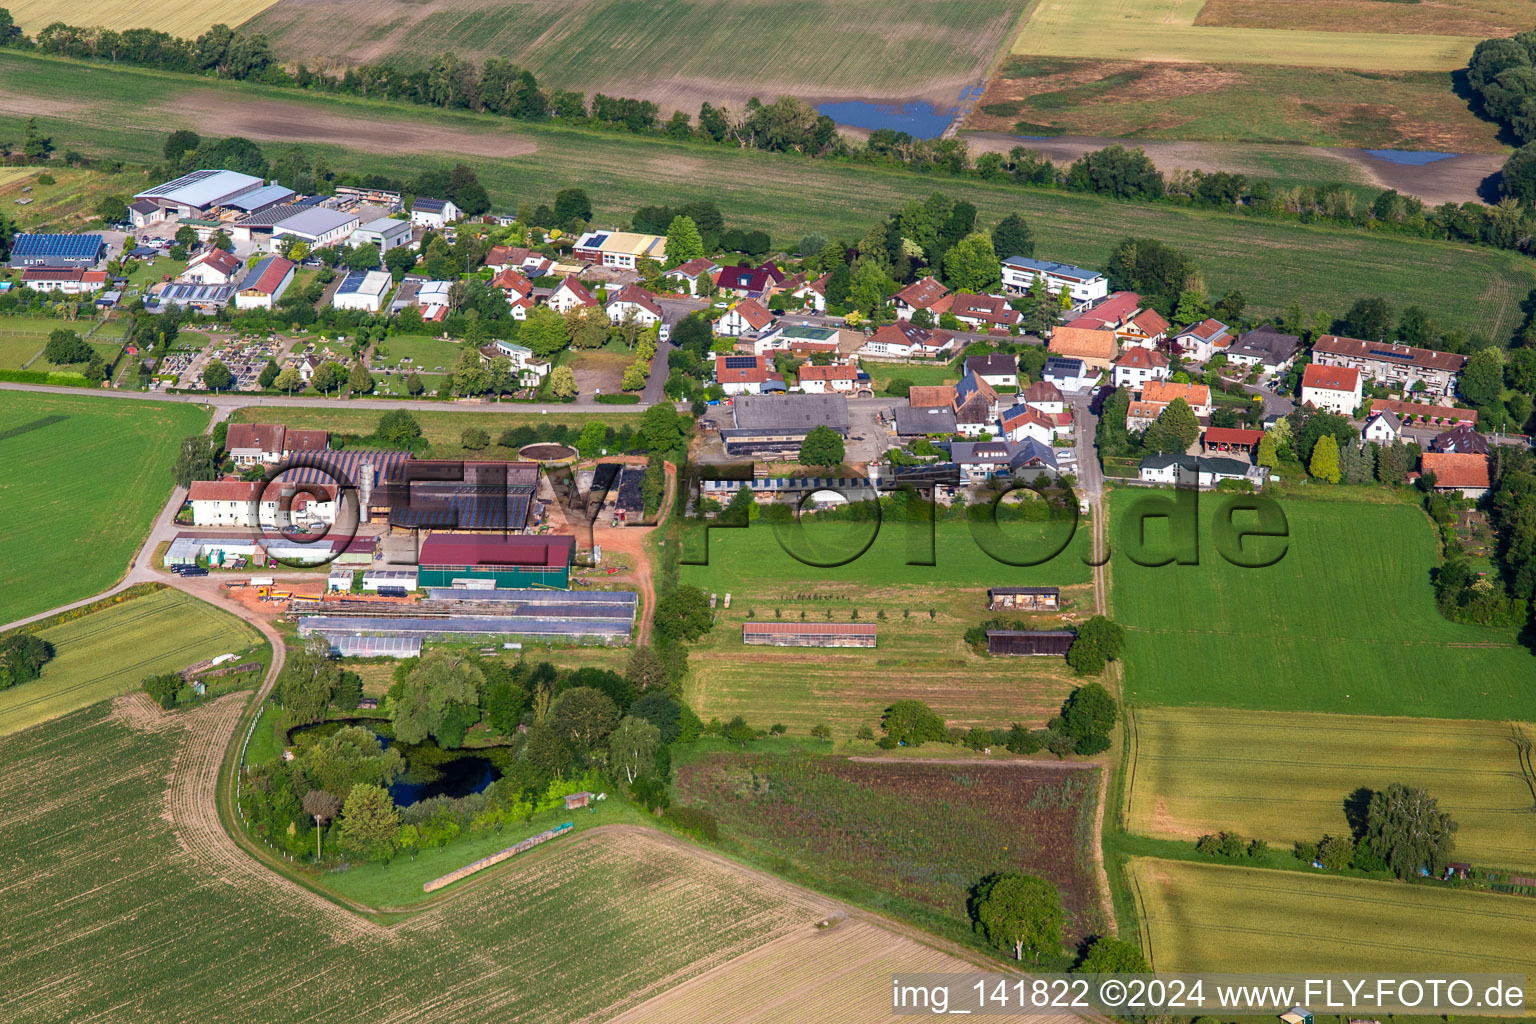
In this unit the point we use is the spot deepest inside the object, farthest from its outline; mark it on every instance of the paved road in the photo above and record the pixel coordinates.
(1274, 405)
(1090, 476)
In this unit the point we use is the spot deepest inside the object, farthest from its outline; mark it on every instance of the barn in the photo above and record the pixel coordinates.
(1030, 642)
(477, 560)
(1032, 599)
(808, 634)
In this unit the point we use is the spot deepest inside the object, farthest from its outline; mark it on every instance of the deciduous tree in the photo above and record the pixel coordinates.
(370, 823)
(1019, 912)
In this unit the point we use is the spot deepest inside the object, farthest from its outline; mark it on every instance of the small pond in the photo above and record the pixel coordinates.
(429, 770)
(1409, 157)
(919, 120)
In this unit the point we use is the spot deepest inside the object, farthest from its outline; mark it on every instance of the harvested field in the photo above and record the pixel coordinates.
(536, 943)
(930, 49)
(1284, 776)
(1162, 31)
(108, 652)
(908, 837)
(181, 17)
(84, 478)
(1209, 917)
(1344, 622)
(1481, 18)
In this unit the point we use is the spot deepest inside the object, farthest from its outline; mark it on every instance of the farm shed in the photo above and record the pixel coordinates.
(808, 634)
(1030, 642)
(1034, 599)
(456, 559)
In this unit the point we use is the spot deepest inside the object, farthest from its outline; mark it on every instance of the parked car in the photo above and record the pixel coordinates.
(192, 570)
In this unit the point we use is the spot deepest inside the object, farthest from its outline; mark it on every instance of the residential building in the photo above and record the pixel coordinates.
(983, 312)
(748, 316)
(1136, 366)
(621, 250)
(1024, 461)
(1109, 314)
(433, 298)
(750, 282)
(747, 375)
(66, 280)
(385, 233)
(634, 301)
(976, 406)
(1266, 347)
(225, 502)
(265, 283)
(821, 380)
(1044, 396)
(920, 294)
(799, 339)
(362, 289)
(814, 293)
(1425, 414)
(1163, 392)
(1198, 343)
(905, 340)
(569, 294)
(1141, 415)
(56, 251)
(1460, 439)
(918, 421)
(1331, 388)
(1069, 374)
(525, 261)
(528, 367)
(1022, 422)
(1201, 471)
(1096, 348)
(689, 275)
(1383, 427)
(1020, 273)
(999, 369)
(775, 425)
(1462, 473)
(434, 213)
(1146, 329)
(251, 444)
(316, 226)
(197, 194)
(1401, 367)
(213, 266)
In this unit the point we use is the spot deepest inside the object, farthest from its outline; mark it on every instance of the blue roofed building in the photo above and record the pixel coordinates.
(1020, 273)
(56, 250)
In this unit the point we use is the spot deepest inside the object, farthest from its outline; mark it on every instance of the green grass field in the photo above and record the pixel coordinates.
(424, 353)
(22, 339)
(115, 891)
(1273, 263)
(1284, 777)
(109, 652)
(1208, 917)
(1345, 622)
(918, 373)
(84, 478)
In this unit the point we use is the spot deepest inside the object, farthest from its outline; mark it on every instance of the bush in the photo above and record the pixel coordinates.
(1022, 741)
(474, 439)
(162, 689)
(977, 738)
(1087, 746)
(821, 731)
(1305, 852)
(1229, 845)
(695, 821)
(619, 399)
(865, 733)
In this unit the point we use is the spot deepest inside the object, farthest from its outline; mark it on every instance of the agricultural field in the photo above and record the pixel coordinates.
(537, 941)
(66, 205)
(1236, 103)
(1284, 777)
(108, 652)
(1273, 263)
(1479, 18)
(1177, 31)
(179, 17)
(1344, 622)
(1209, 917)
(909, 837)
(928, 49)
(84, 479)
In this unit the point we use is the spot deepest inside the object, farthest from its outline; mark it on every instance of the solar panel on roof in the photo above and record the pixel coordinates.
(740, 362)
(60, 248)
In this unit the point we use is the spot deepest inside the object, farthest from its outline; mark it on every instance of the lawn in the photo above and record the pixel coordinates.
(424, 353)
(84, 479)
(108, 652)
(917, 373)
(1273, 263)
(1285, 776)
(22, 339)
(1160, 30)
(1208, 917)
(1344, 622)
(538, 941)
(908, 838)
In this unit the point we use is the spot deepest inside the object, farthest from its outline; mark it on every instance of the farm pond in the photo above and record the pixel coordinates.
(429, 769)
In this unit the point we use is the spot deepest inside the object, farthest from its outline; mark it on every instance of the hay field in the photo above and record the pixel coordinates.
(84, 478)
(1344, 622)
(1209, 917)
(109, 652)
(1480, 18)
(676, 52)
(179, 17)
(1285, 776)
(1167, 30)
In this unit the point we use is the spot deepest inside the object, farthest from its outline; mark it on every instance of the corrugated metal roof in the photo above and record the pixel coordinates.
(203, 188)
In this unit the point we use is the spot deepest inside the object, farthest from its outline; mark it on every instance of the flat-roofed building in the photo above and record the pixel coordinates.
(808, 634)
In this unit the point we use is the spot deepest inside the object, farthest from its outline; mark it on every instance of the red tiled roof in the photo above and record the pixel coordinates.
(267, 437)
(929, 396)
(754, 313)
(1083, 344)
(639, 296)
(224, 490)
(1232, 435)
(1162, 392)
(694, 267)
(759, 372)
(989, 308)
(1149, 322)
(511, 280)
(578, 290)
(1333, 344)
(1455, 469)
(1111, 313)
(1206, 330)
(275, 270)
(223, 261)
(1020, 415)
(844, 371)
(923, 292)
(1435, 413)
(306, 441)
(1139, 358)
(1331, 378)
(1043, 391)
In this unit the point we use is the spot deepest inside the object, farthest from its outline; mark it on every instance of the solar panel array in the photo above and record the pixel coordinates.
(56, 249)
(740, 362)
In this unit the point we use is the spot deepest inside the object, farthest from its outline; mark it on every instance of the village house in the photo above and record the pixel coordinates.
(1462, 473)
(1266, 347)
(1096, 348)
(1138, 365)
(821, 380)
(1204, 472)
(1383, 427)
(747, 375)
(213, 266)
(1141, 415)
(529, 368)
(363, 289)
(1020, 273)
(265, 283)
(225, 502)
(999, 369)
(569, 294)
(813, 293)
(435, 214)
(1331, 388)
(748, 316)
(1108, 315)
(1069, 374)
(982, 312)
(905, 340)
(526, 262)
(252, 444)
(920, 294)
(1022, 422)
(1044, 396)
(1162, 393)
(746, 282)
(931, 396)
(688, 276)
(65, 280)
(620, 250)
(1023, 461)
(634, 301)
(1460, 439)
(1146, 329)
(1198, 343)
(975, 405)
(1401, 367)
